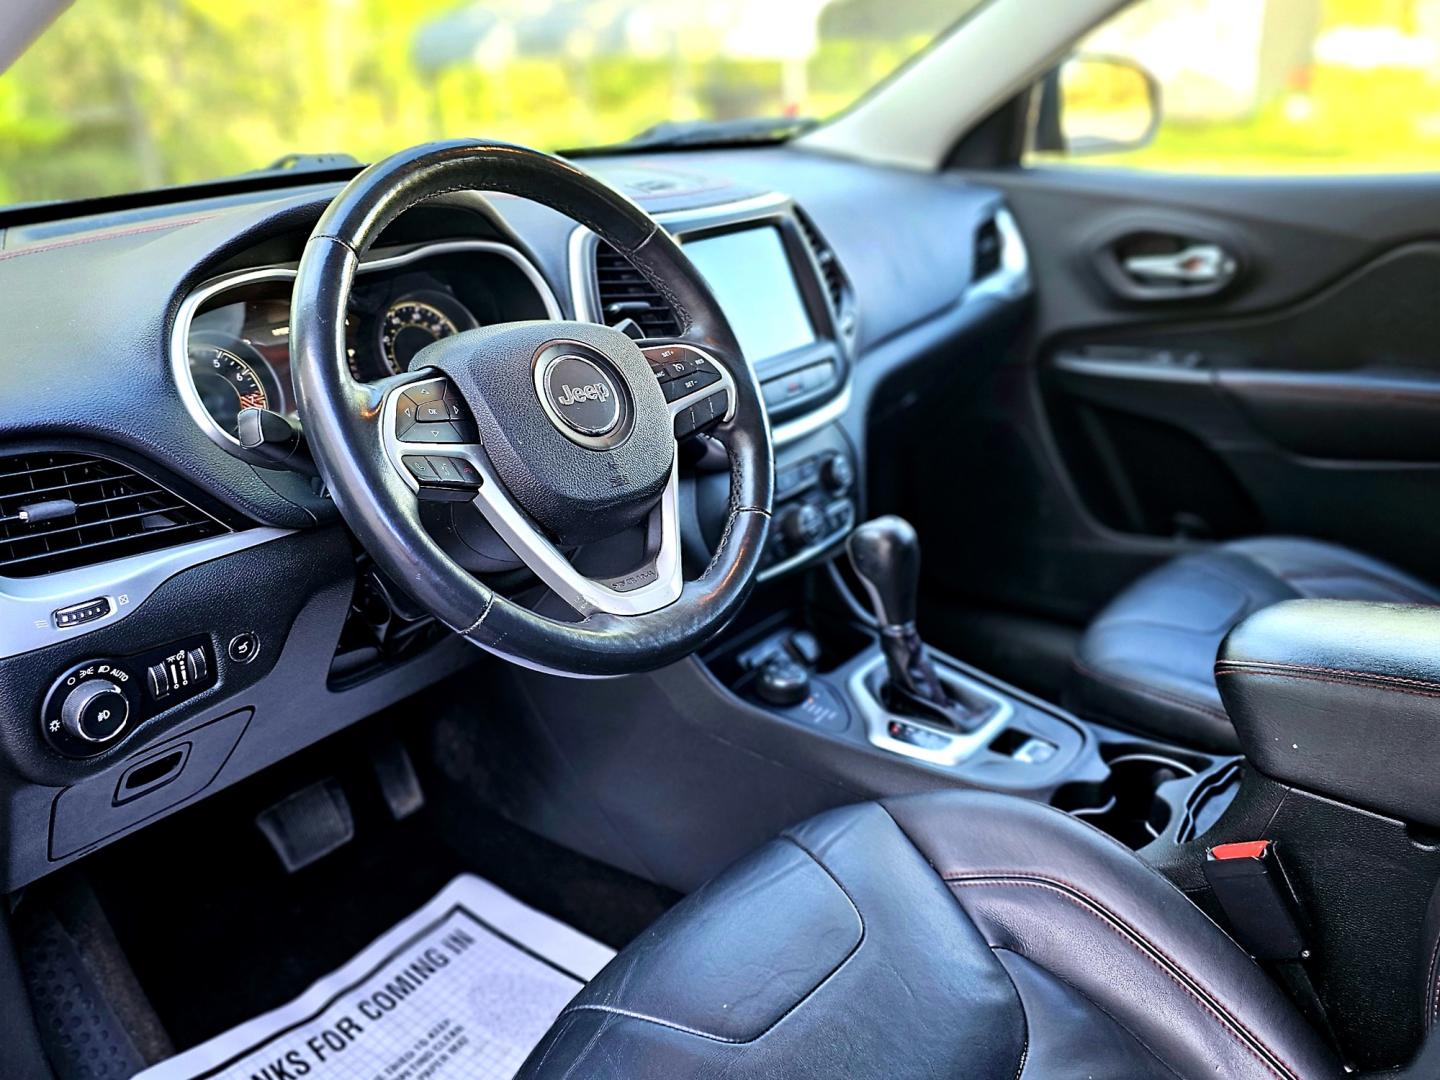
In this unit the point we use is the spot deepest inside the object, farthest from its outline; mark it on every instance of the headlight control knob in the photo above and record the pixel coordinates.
(95, 711)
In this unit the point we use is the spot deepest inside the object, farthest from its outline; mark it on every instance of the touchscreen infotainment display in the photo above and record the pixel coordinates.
(751, 277)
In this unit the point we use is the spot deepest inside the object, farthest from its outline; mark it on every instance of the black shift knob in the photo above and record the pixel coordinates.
(885, 553)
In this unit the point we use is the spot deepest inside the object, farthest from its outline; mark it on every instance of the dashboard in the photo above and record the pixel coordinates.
(240, 623)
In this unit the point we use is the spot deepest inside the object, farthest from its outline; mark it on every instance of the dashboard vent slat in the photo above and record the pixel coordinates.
(117, 512)
(625, 293)
(837, 285)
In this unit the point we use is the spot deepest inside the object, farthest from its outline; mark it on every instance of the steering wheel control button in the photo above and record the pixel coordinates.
(95, 711)
(705, 412)
(77, 614)
(443, 478)
(446, 470)
(421, 469)
(582, 395)
(244, 647)
(685, 385)
(430, 412)
(430, 390)
(718, 405)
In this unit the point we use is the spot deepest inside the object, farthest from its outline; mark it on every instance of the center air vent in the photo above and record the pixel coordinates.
(836, 283)
(989, 250)
(625, 293)
(59, 511)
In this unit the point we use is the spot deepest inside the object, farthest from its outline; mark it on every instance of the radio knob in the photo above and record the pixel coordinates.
(837, 474)
(95, 711)
(802, 525)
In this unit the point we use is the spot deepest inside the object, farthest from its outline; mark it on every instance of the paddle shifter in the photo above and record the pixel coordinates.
(885, 553)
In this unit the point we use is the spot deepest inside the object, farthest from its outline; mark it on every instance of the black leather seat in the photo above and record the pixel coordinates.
(1146, 662)
(955, 934)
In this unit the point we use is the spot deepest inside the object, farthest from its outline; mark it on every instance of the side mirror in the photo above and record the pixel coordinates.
(1092, 104)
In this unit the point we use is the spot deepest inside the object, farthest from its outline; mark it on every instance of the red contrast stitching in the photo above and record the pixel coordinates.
(1147, 948)
(1398, 683)
(38, 249)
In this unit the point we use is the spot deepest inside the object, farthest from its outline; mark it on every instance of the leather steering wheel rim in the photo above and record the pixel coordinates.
(344, 419)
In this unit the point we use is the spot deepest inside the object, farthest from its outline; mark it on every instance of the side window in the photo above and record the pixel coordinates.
(1254, 87)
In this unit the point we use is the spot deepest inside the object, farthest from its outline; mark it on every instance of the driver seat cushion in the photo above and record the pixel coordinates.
(1147, 661)
(947, 934)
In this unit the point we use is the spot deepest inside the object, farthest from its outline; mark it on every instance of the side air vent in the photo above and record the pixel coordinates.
(989, 250)
(626, 294)
(59, 511)
(836, 283)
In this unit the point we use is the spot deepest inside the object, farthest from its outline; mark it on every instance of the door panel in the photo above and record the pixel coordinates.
(1299, 395)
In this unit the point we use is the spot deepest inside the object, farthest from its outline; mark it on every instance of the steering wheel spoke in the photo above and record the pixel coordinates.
(655, 584)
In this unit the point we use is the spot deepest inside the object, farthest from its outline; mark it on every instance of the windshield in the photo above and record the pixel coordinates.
(121, 95)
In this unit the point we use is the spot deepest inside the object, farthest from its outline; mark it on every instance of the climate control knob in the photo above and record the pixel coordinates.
(95, 711)
(802, 525)
(837, 474)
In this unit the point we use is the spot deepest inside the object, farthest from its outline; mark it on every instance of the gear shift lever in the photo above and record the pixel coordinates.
(885, 553)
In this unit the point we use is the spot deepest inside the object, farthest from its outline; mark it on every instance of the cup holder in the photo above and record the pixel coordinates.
(1126, 804)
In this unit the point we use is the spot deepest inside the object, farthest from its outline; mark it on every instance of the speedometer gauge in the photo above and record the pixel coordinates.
(226, 383)
(410, 324)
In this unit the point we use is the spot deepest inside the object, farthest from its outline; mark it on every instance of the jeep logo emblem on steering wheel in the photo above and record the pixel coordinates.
(581, 395)
(595, 391)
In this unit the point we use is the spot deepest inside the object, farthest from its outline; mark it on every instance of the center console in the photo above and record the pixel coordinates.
(860, 674)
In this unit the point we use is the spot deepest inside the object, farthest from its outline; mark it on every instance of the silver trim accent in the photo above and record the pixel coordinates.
(770, 200)
(1198, 264)
(126, 583)
(180, 332)
(1012, 280)
(587, 596)
(581, 256)
(960, 746)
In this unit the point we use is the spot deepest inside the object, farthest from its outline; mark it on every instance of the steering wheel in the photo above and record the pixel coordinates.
(564, 432)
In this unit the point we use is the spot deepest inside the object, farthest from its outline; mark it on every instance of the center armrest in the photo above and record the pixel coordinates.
(1342, 698)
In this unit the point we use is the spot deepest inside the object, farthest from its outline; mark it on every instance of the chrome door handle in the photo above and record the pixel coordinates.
(1198, 264)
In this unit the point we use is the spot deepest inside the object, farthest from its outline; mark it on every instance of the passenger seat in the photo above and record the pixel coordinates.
(1146, 662)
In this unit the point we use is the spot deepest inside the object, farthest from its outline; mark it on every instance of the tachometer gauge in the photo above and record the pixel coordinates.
(226, 383)
(411, 324)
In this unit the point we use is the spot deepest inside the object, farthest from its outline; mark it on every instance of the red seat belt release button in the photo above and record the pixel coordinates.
(1247, 849)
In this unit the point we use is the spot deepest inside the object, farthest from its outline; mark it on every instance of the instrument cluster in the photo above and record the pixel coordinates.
(237, 339)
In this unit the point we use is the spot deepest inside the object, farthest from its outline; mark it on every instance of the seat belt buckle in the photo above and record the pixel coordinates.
(1253, 890)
